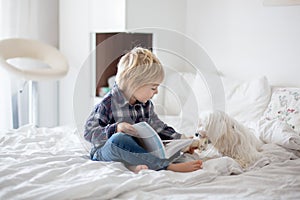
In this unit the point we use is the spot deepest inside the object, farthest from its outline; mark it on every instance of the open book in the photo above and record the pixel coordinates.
(151, 141)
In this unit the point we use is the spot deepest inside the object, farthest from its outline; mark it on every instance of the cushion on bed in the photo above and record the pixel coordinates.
(187, 92)
(175, 90)
(246, 101)
(199, 91)
(184, 92)
(285, 106)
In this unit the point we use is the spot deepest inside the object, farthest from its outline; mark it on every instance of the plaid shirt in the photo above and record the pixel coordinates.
(115, 108)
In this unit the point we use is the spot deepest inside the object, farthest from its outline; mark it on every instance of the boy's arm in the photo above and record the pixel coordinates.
(164, 131)
(98, 127)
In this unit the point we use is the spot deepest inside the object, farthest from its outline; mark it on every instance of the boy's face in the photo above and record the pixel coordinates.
(146, 92)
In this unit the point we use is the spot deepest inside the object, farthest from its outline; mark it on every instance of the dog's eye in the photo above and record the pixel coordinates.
(232, 126)
(197, 134)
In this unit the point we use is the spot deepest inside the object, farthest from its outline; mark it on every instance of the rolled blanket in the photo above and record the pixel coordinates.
(278, 132)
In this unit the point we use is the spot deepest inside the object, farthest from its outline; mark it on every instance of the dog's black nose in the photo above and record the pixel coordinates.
(197, 134)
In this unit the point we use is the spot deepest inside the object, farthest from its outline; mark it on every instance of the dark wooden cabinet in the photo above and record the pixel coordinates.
(110, 48)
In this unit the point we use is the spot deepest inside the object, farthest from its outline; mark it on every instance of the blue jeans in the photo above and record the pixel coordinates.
(124, 148)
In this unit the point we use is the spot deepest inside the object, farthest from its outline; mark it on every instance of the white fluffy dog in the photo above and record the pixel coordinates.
(230, 137)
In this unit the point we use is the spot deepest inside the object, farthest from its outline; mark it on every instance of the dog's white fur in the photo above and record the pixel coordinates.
(230, 137)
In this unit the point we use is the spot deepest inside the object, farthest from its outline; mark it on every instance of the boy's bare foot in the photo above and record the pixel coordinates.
(136, 169)
(185, 167)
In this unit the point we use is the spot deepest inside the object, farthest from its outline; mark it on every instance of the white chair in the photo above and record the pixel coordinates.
(53, 65)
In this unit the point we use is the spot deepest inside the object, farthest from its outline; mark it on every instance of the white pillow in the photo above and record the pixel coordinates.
(246, 101)
(285, 106)
(198, 99)
(199, 96)
(174, 92)
(187, 94)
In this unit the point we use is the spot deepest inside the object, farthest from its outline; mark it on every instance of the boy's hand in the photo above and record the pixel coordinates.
(183, 136)
(127, 128)
(191, 149)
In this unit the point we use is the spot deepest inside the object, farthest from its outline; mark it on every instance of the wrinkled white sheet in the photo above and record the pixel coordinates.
(278, 132)
(51, 163)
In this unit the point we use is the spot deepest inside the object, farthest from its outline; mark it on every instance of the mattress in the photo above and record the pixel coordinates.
(54, 163)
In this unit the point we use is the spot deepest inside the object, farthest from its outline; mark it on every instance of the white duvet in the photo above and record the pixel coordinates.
(52, 163)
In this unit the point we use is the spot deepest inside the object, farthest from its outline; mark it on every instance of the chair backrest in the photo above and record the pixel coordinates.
(36, 50)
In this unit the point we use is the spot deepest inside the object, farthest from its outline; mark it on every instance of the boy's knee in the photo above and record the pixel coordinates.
(118, 138)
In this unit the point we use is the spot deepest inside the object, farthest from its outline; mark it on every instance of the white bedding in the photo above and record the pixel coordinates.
(52, 163)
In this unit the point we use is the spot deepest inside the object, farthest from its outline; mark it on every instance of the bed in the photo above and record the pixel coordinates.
(53, 163)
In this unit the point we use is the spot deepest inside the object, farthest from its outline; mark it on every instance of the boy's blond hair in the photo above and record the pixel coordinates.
(137, 68)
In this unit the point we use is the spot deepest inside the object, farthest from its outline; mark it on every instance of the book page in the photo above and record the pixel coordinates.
(150, 140)
(176, 145)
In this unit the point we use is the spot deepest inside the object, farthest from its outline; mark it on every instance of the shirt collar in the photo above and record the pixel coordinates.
(120, 97)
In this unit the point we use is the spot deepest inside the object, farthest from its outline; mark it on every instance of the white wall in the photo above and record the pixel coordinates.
(75, 44)
(160, 18)
(107, 15)
(246, 39)
(80, 18)
(243, 38)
